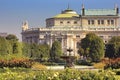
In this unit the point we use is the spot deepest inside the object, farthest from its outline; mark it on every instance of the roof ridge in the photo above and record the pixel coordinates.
(99, 9)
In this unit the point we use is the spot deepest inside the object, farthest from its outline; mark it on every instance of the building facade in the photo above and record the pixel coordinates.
(69, 27)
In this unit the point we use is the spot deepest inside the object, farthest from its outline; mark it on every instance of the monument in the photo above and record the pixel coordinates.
(69, 59)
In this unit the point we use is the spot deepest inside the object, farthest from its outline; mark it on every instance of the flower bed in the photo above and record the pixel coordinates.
(67, 74)
(16, 62)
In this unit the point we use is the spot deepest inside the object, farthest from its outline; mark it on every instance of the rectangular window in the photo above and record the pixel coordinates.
(75, 22)
(112, 22)
(92, 22)
(77, 36)
(68, 22)
(102, 22)
(98, 22)
(61, 22)
(89, 22)
(108, 22)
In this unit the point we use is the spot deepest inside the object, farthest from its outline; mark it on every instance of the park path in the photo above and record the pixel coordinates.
(62, 67)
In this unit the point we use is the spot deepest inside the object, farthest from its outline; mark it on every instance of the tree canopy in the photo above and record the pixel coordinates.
(4, 46)
(56, 50)
(113, 47)
(12, 37)
(93, 47)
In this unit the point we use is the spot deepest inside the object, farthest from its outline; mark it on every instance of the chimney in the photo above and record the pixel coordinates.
(83, 10)
(117, 9)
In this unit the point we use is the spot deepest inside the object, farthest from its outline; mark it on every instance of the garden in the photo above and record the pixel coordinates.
(23, 61)
(67, 74)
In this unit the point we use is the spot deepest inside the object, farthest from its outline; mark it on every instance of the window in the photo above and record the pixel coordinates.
(75, 22)
(68, 22)
(61, 22)
(102, 22)
(112, 22)
(89, 22)
(92, 22)
(108, 22)
(77, 36)
(99, 22)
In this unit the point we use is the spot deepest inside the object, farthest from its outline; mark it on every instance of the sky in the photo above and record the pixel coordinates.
(14, 12)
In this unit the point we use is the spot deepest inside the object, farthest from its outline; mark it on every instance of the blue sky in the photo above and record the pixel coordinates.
(14, 12)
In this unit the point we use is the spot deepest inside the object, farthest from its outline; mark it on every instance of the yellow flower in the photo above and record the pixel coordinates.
(55, 75)
(49, 78)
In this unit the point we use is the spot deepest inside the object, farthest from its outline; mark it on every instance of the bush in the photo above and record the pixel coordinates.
(38, 66)
(99, 65)
(112, 63)
(16, 62)
(84, 62)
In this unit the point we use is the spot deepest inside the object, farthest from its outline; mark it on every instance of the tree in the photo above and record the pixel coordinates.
(56, 50)
(81, 51)
(93, 47)
(26, 49)
(16, 46)
(113, 47)
(4, 46)
(44, 51)
(34, 50)
(12, 37)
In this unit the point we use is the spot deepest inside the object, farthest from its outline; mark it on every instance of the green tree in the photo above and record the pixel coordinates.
(44, 51)
(34, 50)
(81, 51)
(26, 49)
(56, 50)
(93, 47)
(16, 46)
(113, 47)
(4, 46)
(12, 37)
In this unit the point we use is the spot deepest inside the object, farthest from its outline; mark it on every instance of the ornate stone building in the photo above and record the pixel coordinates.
(69, 27)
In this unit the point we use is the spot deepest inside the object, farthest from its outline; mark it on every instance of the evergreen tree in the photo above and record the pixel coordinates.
(26, 49)
(4, 46)
(44, 51)
(16, 46)
(113, 47)
(56, 50)
(93, 47)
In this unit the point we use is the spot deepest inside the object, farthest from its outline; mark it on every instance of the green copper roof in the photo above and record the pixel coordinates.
(68, 13)
(94, 12)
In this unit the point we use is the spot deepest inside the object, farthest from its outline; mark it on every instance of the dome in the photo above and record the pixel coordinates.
(68, 13)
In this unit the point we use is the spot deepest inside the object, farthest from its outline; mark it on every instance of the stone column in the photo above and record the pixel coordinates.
(74, 48)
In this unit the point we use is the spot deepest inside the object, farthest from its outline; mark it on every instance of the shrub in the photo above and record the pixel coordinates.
(112, 63)
(99, 65)
(38, 66)
(84, 62)
(16, 62)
